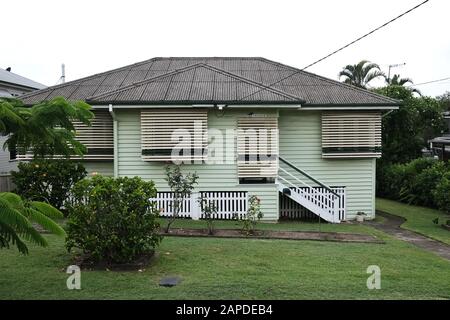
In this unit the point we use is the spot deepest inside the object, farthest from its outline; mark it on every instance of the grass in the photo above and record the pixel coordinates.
(418, 219)
(239, 269)
(283, 225)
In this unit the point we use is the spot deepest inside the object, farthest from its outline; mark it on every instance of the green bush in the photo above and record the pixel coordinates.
(420, 188)
(254, 214)
(388, 178)
(48, 180)
(419, 182)
(112, 220)
(442, 193)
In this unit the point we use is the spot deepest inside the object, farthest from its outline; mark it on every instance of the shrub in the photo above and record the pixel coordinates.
(420, 189)
(253, 215)
(209, 209)
(48, 180)
(394, 180)
(181, 186)
(422, 181)
(442, 193)
(112, 220)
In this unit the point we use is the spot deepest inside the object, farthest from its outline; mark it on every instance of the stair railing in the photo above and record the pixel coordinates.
(325, 200)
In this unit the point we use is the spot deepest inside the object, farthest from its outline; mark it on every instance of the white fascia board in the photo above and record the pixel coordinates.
(168, 106)
(351, 108)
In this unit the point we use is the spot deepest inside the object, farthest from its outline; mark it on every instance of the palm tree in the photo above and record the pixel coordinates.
(397, 81)
(17, 216)
(361, 74)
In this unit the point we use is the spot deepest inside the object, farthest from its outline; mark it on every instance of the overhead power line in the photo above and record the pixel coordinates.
(432, 81)
(338, 50)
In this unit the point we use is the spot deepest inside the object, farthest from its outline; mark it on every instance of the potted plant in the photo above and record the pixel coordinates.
(360, 216)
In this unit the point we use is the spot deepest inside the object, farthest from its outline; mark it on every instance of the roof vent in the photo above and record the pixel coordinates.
(8, 69)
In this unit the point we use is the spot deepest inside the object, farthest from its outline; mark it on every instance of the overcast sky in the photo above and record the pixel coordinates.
(95, 36)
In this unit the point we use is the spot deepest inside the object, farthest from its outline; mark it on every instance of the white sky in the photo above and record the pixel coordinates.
(95, 36)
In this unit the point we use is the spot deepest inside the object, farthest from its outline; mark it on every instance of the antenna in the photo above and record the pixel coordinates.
(394, 66)
(63, 73)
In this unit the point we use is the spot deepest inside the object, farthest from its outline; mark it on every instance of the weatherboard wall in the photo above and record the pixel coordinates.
(300, 143)
(212, 177)
(6, 166)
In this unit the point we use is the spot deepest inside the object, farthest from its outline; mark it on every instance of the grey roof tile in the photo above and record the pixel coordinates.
(199, 82)
(189, 80)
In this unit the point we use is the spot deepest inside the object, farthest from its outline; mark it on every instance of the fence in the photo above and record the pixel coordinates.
(229, 204)
(6, 183)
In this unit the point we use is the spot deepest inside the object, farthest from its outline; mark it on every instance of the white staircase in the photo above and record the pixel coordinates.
(312, 194)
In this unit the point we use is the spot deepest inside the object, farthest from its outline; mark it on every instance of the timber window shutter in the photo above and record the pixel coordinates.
(257, 147)
(98, 138)
(351, 135)
(174, 134)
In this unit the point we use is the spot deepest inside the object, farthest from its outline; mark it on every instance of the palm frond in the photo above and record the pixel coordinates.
(373, 75)
(46, 209)
(9, 236)
(44, 221)
(13, 199)
(33, 236)
(11, 216)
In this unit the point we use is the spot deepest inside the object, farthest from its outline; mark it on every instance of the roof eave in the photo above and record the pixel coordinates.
(195, 102)
(353, 106)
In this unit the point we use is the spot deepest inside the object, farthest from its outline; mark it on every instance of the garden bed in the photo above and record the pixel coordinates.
(139, 264)
(273, 234)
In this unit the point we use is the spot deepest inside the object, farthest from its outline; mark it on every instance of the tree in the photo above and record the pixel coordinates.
(407, 130)
(45, 128)
(444, 100)
(16, 217)
(397, 81)
(181, 186)
(361, 74)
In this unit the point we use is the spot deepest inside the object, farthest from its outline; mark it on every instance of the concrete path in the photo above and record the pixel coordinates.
(392, 226)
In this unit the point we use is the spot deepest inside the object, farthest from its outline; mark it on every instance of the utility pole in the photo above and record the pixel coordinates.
(394, 66)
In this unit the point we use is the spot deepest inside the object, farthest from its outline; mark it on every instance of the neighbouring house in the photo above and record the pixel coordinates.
(440, 146)
(304, 144)
(14, 85)
(11, 86)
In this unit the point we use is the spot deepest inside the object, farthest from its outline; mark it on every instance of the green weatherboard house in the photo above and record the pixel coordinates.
(304, 144)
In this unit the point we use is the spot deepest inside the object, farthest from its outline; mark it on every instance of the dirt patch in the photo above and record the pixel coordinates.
(86, 263)
(272, 234)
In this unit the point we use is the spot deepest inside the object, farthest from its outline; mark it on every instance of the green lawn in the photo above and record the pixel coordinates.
(418, 219)
(284, 225)
(239, 269)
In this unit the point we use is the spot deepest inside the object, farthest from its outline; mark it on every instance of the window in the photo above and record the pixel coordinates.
(351, 134)
(98, 138)
(257, 149)
(174, 134)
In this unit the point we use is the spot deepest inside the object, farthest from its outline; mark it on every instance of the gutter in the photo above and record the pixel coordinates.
(352, 108)
(116, 142)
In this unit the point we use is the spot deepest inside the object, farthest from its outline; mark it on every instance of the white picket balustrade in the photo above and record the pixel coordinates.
(289, 209)
(229, 204)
